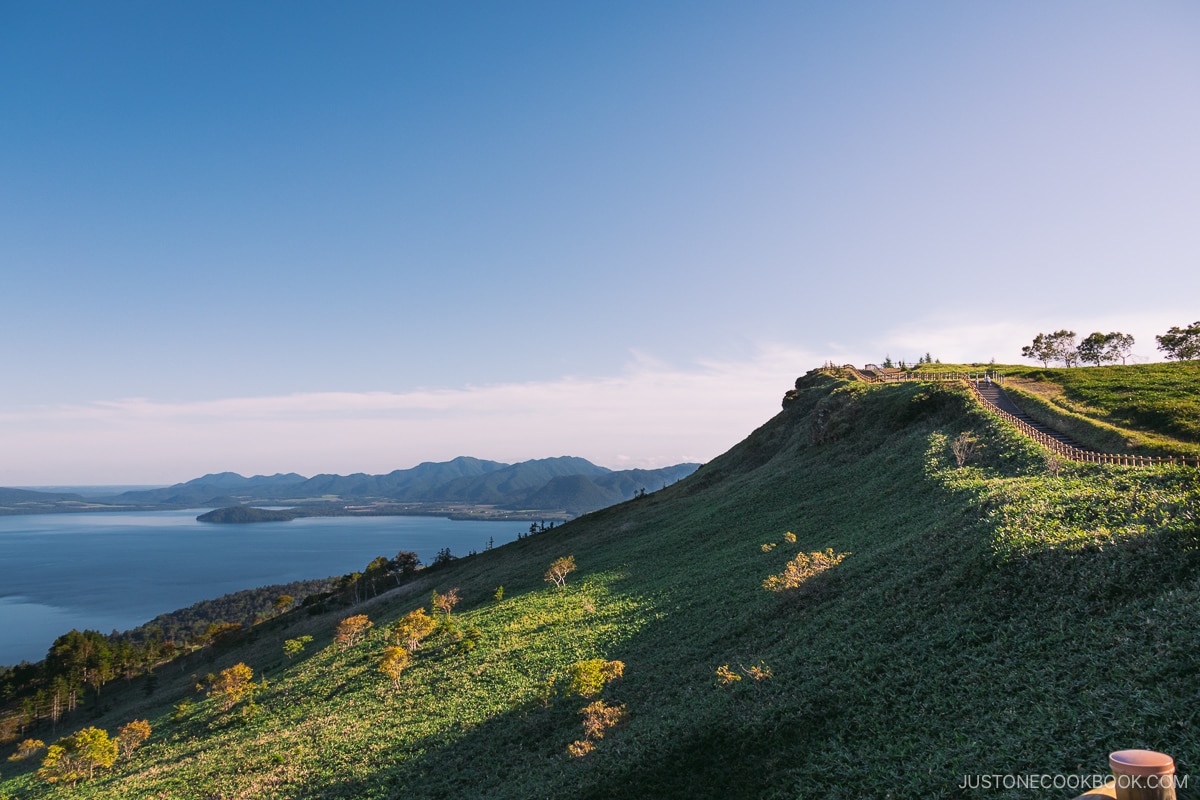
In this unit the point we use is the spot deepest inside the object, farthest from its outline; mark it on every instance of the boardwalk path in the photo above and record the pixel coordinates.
(985, 387)
(991, 394)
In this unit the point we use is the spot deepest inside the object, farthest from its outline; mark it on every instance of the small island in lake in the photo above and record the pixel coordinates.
(237, 515)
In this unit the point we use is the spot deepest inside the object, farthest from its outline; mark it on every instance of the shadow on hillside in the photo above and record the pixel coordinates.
(686, 735)
(729, 750)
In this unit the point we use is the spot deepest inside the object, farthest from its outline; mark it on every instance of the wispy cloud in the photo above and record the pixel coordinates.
(651, 414)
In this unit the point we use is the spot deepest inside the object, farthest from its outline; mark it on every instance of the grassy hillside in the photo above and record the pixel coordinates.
(1142, 409)
(988, 619)
(1149, 409)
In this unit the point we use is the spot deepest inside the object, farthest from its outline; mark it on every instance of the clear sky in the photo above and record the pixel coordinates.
(342, 237)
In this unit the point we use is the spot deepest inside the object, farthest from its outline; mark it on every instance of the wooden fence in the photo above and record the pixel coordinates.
(1054, 445)
(1076, 454)
(906, 377)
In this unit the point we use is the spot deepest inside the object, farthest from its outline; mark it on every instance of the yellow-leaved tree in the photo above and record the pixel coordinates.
(410, 629)
(131, 735)
(79, 755)
(351, 630)
(232, 685)
(395, 659)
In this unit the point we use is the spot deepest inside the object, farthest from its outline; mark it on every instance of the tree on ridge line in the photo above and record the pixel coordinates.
(1181, 344)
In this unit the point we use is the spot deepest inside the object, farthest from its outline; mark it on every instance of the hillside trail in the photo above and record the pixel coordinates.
(991, 393)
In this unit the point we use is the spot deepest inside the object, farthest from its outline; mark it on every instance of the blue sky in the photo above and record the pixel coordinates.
(334, 238)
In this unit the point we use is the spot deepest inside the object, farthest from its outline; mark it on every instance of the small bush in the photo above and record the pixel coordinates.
(81, 754)
(598, 718)
(726, 675)
(294, 647)
(588, 677)
(444, 602)
(581, 748)
(131, 735)
(60, 766)
(801, 568)
(759, 673)
(964, 447)
(559, 569)
(182, 709)
(232, 686)
(28, 749)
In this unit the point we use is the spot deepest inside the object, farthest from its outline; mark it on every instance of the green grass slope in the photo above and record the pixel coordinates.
(989, 619)
(1141, 409)
(1156, 398)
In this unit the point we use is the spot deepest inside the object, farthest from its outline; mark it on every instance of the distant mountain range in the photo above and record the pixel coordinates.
(565, 484)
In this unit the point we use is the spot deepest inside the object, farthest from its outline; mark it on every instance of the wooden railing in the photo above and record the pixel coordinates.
(1067, 451)
(906, 377)
(1074, 453)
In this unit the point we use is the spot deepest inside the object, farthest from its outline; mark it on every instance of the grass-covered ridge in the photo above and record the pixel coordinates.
(993, 618)
(1138, 409)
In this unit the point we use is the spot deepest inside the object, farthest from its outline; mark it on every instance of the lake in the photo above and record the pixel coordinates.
(115, 571)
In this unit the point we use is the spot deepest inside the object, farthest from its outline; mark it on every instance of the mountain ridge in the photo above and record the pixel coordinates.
(462, 480)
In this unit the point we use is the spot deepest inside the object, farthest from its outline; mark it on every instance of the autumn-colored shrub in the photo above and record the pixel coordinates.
(81, 754)
(726, 675)
(410, 629)
(588, 677)
(444, 602)
(964, 447)
(801, 568)
(759, 673)
(395, 659)
(60, 765)
(131, 735)
(559, 569)
(28, 749)
(351, 630)
(581, 748)
(598, 718)
(232, 686)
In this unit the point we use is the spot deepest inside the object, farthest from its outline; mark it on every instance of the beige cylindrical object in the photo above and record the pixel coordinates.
(1143, 775)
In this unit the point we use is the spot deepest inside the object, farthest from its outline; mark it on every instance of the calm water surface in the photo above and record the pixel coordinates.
(116, 571)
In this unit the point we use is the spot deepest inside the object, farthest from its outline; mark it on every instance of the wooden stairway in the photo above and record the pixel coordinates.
(993, 395)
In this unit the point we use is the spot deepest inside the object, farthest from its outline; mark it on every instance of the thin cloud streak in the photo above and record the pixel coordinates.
(651, 415)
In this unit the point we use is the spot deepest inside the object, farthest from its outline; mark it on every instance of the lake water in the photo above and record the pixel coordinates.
(115, 571)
